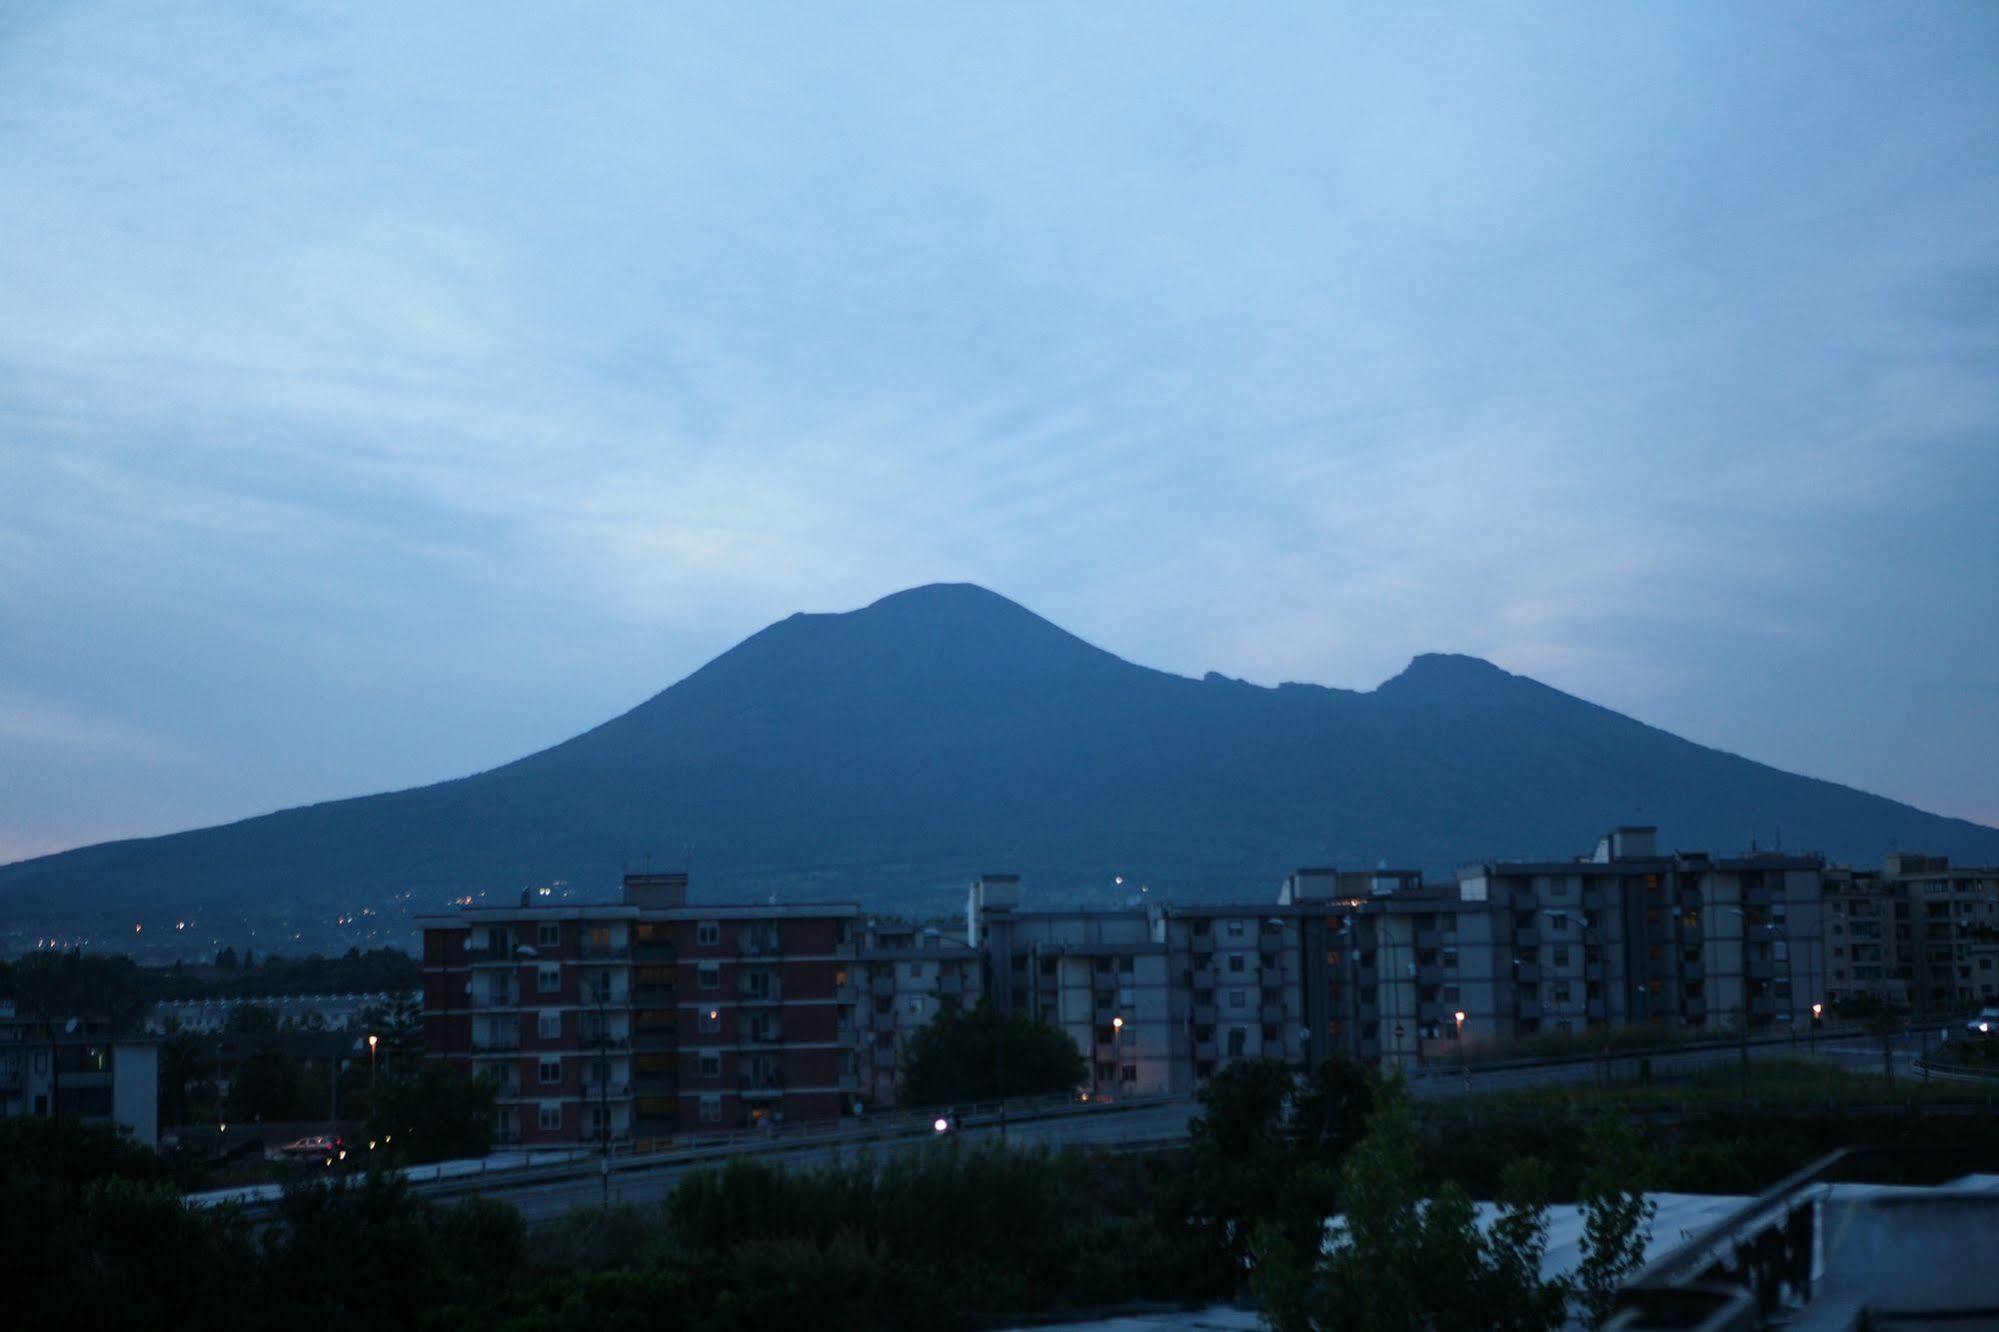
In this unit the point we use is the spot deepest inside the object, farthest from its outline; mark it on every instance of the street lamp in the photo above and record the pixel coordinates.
(1464, 1060)
(373, 1039)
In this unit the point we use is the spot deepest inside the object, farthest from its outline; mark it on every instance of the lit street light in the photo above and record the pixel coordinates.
(1464, 1060)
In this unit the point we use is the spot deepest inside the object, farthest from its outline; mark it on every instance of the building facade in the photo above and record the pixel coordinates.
(648, 1018)
(76, 1069)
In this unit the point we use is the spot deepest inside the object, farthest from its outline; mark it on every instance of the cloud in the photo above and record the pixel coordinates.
(377, 365)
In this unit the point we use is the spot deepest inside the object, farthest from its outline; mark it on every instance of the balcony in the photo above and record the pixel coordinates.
(1527, 973)
(1593, 972)
(1429, 1010)
(649, 995)
(1271, 931)
(602, 952)
(1429, 974)
(760, 945)
(652, 950)
(489, 957)
(1758, 895)
(503, 1041)
(1204, 1051)
(1367, 977)
(1367, 1011)
(770, 992)
(1204, 1015)
(1101, 981)
(1272, 1012)
(655, 1083)
(759, 1085)
(1695, 1007)
(846, 994)
(1528, 1009)
(1527, 938)
(1692, 971)
(1204, 978)
(762, 1036)
(1759, 969)
(1594, 1010)
(495, 999)
(1203, 943)
(849, 1082)
(606, 1091)
(1762, 1007)
(951, 983)
(656, 1038)
(882, 987)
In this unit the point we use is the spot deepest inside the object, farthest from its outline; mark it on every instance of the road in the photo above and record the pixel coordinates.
(547, 1188)
(1154, 1123)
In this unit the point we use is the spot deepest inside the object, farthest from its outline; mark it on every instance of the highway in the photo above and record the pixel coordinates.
(546, 1187)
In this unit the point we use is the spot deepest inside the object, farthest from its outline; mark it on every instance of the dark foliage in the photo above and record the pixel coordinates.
(980, 1056)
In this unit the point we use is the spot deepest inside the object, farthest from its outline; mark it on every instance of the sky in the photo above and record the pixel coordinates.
(390, 391)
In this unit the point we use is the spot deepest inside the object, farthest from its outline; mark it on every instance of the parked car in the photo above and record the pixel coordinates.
(1985, 1024)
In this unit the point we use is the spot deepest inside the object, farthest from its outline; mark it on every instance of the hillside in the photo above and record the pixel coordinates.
(892, 752)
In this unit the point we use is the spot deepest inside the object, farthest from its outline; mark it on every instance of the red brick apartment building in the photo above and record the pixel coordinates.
(646, 1018)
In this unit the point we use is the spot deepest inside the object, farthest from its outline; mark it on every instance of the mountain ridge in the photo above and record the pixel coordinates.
(889, 753)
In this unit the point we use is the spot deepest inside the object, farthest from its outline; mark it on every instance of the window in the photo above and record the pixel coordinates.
(710, 1064)
(708, 933)
(916, 971)
(548, 934)
(710, 976)
(1235, 999)
(915, 1007)
(600, 1119)
(551, 1115)
(711, 1020)
(711, 1109)
(550, 1073)
(1561, 955)
(1237, 1036)
(1235, 929)
(548, 977)
(1235, 963)
(548, 1024)
(1128, 1073)
(884, 1006)
(1559, 992)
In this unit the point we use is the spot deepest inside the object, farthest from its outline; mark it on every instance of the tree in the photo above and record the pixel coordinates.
(1402, 1261)
(1617, 1216)
(982, 1056)
(1267, 1148)
(429, 1111)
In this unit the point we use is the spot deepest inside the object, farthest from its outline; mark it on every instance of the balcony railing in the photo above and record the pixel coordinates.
(760, 1084)
(655, 1038)
(602, 951)
(503, 1042)
(1204, 943)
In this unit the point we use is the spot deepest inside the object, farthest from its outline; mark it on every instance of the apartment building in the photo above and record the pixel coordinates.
(1916, 932)
(77, 1069)
(1632, 936)
(904, 977)
(648, 1017)
(1104, 977)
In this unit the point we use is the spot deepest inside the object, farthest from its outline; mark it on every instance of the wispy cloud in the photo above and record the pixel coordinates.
(477, 374)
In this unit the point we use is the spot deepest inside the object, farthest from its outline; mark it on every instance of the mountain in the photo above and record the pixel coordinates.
(891, 753)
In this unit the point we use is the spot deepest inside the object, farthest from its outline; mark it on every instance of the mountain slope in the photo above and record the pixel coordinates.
(892, 752)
